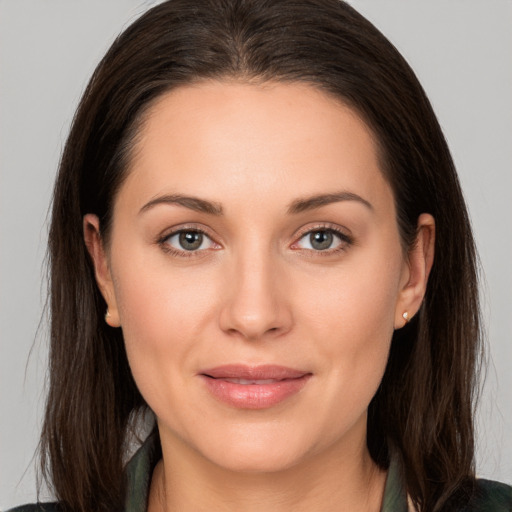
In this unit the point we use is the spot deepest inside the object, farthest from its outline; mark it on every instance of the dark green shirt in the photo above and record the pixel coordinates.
(488, 497)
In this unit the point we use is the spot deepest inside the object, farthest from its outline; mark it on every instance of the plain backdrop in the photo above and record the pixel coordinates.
(461, 51)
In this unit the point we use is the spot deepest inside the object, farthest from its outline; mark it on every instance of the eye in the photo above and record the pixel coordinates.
(189, 240)
(322, 240)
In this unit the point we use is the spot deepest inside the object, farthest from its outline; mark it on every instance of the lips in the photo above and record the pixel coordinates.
(254, 387)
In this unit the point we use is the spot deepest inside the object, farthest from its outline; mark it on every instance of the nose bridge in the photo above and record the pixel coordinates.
(255, 305)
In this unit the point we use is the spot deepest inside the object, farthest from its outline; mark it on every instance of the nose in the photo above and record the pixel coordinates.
(256, 305)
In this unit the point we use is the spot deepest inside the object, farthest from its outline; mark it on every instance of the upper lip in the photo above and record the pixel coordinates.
(259, 372)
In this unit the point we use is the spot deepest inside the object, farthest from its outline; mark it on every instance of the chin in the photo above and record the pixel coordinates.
(266, 460)
(257, 450)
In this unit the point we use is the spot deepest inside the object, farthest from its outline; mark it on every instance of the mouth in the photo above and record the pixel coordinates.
(254, 387)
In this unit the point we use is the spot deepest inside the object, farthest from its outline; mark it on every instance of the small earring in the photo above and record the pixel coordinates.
(107, 316)
(405, 316)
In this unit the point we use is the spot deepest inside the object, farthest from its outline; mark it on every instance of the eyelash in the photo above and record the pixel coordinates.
(345, 241)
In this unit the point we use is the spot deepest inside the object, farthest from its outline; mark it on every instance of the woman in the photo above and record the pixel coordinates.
(258, 235)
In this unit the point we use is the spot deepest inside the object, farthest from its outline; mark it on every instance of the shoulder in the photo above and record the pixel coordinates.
(37, 507)
(489, 495)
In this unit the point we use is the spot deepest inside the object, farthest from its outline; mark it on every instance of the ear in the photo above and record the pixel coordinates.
(416, 271)
(94, 244)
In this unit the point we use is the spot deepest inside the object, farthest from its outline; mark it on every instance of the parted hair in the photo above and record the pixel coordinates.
(423, 409)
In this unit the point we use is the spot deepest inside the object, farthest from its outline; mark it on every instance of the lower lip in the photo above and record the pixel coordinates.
(254, 396)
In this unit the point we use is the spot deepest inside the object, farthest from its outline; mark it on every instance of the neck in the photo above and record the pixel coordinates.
(339, 479)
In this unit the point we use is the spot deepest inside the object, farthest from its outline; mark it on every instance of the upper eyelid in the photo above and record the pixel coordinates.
(167, 233)
(326, 226)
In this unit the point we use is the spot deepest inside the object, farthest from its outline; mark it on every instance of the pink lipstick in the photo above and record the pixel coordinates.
(254, 387)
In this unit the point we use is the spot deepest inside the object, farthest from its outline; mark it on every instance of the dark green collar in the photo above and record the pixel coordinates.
(395, 495)
(138, 474)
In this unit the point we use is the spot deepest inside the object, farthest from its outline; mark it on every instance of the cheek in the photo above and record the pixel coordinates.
(354, 326)
(352, 323)
(162, 314)
(354, 304)
(157, 301)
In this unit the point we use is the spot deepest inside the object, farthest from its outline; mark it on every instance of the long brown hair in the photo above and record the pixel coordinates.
(423, 408)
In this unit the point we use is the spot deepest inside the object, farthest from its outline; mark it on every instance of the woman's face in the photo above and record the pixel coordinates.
(256, 270)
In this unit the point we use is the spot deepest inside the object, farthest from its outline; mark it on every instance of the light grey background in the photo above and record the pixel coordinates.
(461, 51)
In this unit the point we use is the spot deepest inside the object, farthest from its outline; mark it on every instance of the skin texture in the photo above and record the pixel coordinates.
(257, 292)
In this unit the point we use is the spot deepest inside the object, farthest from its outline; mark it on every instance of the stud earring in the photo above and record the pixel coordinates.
(405, 316)
(107, 316)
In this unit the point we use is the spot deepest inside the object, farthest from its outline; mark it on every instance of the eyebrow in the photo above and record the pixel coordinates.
(310, 203)
(193, 203)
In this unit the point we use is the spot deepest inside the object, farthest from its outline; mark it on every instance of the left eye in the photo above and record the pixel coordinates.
(189, 240)
(320, 240)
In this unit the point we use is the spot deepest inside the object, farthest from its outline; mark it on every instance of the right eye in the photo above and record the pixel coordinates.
(189, 240)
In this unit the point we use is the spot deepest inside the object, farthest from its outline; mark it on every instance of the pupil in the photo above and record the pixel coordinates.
(191, 240)
(321, 240)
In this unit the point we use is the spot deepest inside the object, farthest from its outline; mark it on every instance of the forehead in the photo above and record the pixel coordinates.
(218, 139)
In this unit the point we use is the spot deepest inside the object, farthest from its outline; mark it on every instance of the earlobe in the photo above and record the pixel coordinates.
(419, 265)
(94, 244)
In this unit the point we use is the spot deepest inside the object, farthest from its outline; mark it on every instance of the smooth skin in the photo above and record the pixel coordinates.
(298, 262)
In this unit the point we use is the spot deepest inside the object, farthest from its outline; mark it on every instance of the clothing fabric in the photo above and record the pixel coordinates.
(489, 496)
